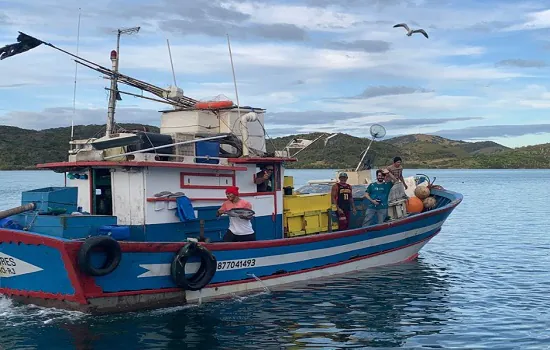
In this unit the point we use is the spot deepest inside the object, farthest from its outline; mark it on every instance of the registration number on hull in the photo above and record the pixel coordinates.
(236, 264)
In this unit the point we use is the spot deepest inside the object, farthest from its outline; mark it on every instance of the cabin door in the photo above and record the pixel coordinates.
(102, 200)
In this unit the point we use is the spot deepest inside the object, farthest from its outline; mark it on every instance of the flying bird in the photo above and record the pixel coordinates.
(411, 32)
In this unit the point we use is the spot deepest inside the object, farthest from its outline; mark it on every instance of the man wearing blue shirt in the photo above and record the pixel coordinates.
(377, 193)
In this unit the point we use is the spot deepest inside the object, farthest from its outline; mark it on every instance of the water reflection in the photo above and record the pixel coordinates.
(378, 308)
(384, 307)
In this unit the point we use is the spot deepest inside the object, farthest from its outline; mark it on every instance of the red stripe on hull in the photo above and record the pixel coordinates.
(30, 238)
(40, 295)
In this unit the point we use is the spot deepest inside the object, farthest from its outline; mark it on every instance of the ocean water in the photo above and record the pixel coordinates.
(482, 283)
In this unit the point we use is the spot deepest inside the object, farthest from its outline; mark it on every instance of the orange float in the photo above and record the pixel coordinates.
(214, 104)
(415, 205)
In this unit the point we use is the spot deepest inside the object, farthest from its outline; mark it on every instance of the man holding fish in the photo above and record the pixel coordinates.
(240, 227)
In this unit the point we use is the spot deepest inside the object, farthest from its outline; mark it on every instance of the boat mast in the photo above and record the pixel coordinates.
(244, 127)
(75, 74)
(115, 58)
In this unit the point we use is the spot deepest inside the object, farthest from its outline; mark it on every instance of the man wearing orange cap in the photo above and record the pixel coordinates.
(240, 228)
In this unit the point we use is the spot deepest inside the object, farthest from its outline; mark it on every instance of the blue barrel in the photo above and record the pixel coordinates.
(119, 233)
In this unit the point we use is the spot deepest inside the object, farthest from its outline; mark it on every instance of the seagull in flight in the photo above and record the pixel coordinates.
(411, 32)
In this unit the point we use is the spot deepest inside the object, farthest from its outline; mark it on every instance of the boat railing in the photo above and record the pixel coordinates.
(166, 146)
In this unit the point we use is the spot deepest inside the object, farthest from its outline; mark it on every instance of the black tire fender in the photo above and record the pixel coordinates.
(105, 243)
(204, 274)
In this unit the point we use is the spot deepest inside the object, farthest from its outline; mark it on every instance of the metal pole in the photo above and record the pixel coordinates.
(75, 74)
(171, 63)
(118, 49)
(245, 146)
(364, 155)
(112, 95)
(115, 58)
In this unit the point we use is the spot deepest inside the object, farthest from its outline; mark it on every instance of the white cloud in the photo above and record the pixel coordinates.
(301, 16)
(534, 20)
(271, 58)
(532, 97)
(61, 117)
(405, 104)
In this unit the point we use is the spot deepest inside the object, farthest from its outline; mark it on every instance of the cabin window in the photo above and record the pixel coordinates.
(102, 201)
(273, 183)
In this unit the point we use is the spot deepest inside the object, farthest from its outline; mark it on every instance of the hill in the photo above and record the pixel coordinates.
(23, 149)
(343, 151)
(418, 151)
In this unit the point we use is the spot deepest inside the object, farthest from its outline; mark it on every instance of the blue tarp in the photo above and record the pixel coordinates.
(185, 209)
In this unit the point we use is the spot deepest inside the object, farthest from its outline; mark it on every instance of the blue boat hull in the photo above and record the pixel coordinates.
(44, 270)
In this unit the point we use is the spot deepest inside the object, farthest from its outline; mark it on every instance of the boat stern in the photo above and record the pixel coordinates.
(39, 269)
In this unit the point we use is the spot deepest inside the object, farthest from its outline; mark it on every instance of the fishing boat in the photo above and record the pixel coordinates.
(135, 226)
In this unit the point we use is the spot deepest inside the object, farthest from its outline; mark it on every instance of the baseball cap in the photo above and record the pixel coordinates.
(343, 175)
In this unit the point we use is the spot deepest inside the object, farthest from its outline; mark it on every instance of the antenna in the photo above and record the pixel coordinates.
(128, 31)
(75, 74)
(245, 146)
(115, 59)
(171, 63)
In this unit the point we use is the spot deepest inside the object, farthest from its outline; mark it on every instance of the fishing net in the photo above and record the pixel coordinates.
(397, 192)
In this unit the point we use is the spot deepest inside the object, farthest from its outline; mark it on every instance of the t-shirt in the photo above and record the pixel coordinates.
(380, 191)
(238, 226)
(344, 196)
(397, 172)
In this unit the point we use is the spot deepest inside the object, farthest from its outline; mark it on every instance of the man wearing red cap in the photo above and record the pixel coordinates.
(240, 228)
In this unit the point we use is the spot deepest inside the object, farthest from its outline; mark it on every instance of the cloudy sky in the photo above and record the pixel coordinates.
(315, 65)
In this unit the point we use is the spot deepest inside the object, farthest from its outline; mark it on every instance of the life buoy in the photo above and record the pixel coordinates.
(104, 243)
(214, 104)
(205, 272)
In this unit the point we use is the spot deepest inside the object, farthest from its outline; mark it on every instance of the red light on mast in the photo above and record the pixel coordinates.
(113, 55)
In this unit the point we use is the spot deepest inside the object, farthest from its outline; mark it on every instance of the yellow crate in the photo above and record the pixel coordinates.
(307, 214)
(299, 203)
(288, 181)
(295, 225)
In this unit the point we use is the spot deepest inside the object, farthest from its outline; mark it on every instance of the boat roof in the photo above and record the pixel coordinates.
(70, 166)
(193, 108)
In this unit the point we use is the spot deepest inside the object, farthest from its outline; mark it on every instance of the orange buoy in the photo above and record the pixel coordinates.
(214, 104)
(414, 205)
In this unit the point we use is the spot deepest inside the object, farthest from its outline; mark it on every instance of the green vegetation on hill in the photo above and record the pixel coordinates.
(342, 151)
(418, 151)
(23, 149)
